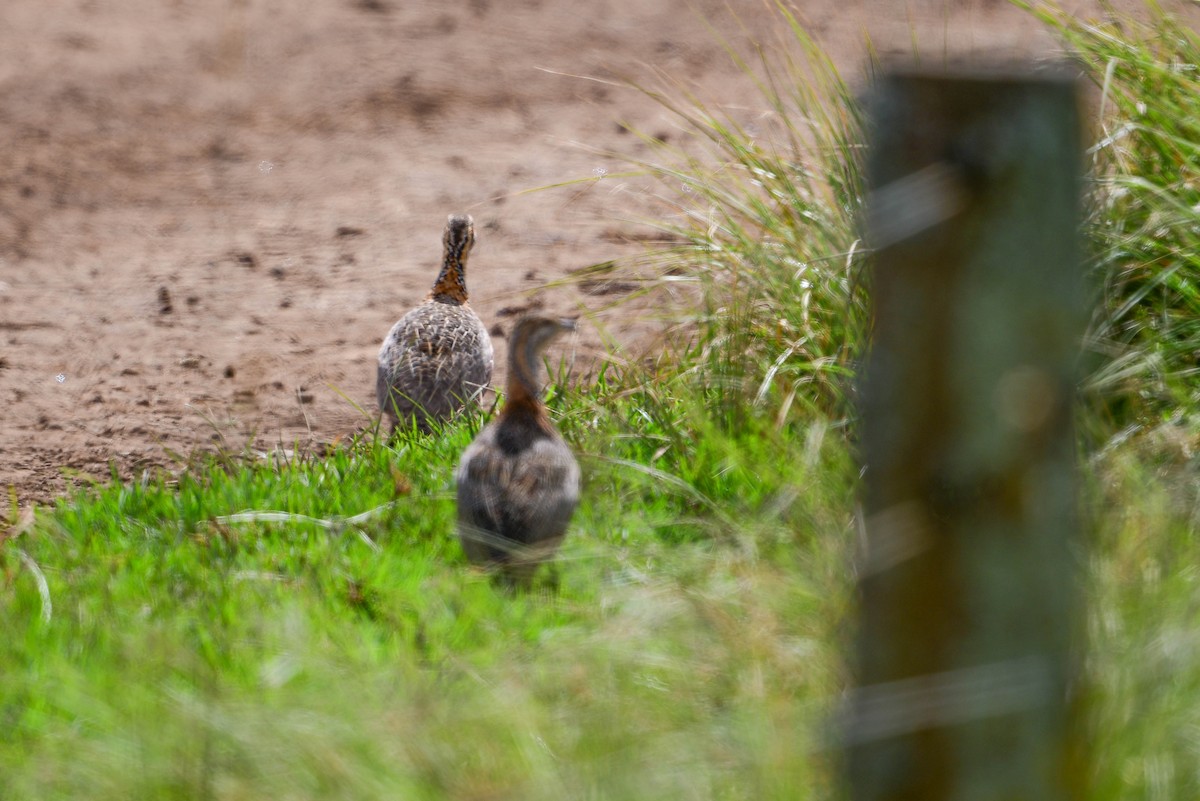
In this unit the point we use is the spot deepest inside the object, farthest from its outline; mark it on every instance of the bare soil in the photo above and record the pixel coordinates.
(212, 211)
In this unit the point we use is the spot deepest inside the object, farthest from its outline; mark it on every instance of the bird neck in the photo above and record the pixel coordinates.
(451, 283)
(524, 396)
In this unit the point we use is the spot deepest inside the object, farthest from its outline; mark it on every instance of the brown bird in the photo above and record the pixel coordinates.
(438, 358)
(518, 483)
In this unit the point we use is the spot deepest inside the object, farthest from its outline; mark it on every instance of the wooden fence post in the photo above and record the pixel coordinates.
(969, 590)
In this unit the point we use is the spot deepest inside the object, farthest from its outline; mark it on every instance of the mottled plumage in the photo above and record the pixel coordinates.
(438, 357)
(518, 483)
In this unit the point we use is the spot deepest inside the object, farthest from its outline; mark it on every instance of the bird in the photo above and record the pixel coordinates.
(518, 482)
(438, 358)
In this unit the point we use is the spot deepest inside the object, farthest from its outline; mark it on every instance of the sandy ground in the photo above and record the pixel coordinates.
(212, 211)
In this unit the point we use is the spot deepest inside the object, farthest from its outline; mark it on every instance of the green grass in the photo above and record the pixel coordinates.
(187, 655)
(1145, 213)
(305, 626)
(1144, 596)
(765, 217)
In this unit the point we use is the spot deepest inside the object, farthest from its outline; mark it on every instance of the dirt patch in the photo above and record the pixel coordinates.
(211, 212)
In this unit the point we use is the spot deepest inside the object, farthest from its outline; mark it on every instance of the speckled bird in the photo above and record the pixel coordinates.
(438, 358)
(518, 483)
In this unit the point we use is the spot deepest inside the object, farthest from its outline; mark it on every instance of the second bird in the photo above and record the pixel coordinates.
(518, 483)
(438, 358)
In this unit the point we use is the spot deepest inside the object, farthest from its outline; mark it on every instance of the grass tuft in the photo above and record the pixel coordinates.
(763, 209)
(1144, 221)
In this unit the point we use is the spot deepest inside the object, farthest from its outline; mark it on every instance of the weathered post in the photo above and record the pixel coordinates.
(968, 582)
